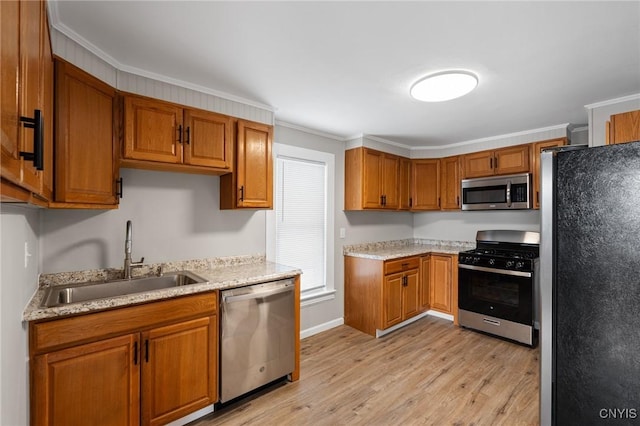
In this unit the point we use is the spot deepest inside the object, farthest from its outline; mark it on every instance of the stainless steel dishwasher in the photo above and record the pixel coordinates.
(257, 343)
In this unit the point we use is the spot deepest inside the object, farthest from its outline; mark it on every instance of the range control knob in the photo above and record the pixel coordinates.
(492, 262)
(476, 259)
(519, 265)
(510, 263)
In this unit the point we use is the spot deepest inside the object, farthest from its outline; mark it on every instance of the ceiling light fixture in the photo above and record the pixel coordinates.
(443, 86)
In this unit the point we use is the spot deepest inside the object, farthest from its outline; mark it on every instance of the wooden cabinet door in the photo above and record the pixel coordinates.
(404, 182)
(450, 183)
(31, 15)
(511, 160)
(441, 283)
(10, 73)
(179, 370)
(536, 150)
(372, 190)
(390, 185)
(86, 141)
(426, 184)
(478, 164)
(624, 127)
(392, 290)
(47, 83)
(425, 280)
(153, 130)
(254, 165)
(208, 139)
(411, 294)
(92, 384)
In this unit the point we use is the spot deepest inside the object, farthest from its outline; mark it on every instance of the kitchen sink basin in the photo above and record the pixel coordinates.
(83, 292)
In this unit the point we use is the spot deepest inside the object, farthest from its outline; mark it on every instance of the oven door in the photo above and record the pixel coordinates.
(496, 292)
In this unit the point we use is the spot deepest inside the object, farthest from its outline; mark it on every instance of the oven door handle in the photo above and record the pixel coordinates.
(496, 271)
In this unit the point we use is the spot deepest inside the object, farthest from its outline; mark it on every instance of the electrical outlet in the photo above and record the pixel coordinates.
(27, 255)
(343, 233)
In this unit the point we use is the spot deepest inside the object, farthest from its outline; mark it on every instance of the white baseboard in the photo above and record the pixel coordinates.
(321, 327)
(440, 315)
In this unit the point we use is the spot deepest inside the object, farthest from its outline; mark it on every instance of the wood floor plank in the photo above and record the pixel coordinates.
(427, 373)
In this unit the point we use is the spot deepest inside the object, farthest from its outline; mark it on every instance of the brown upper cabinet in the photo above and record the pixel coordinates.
(371, 180)
(450, 183)
(425, 184)
(624, 127)
(86, 143)
(161, 135)
(406, 197)
(504, 161)
(536, 150)
(26, 91)
(251, 185)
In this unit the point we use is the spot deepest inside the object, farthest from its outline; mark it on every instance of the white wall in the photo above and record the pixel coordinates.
(599, 113)
(175, 216)
(18, 225)
(462, 226)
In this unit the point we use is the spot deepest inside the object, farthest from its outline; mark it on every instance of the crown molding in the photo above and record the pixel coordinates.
(613, 101)
(310, 131)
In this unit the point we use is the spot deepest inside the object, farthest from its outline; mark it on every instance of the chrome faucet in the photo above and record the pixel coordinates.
(128, 264)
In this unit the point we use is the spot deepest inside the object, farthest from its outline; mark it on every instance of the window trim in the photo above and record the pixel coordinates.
(289, 151)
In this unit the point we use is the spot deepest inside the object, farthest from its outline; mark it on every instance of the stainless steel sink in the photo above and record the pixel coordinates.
(83, 292)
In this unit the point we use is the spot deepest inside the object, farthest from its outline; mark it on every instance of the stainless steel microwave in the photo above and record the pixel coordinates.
(509, 192)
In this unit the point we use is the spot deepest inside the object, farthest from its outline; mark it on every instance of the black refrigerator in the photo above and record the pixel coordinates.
(590, 286)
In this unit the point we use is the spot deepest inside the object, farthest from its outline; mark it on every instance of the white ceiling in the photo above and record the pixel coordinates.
(345, 68)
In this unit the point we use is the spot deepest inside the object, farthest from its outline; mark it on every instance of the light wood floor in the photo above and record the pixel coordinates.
(429, 372)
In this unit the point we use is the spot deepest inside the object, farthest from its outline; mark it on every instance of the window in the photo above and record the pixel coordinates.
(300, 226)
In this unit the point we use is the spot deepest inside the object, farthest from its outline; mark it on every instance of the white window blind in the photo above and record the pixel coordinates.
(301, 218)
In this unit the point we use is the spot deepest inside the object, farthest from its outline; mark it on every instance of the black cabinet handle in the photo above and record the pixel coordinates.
(186, 139)
(146, 350)
(491, 162)
(495, 162)
(458, 201)
(119, 188)
(37, 124)
(135, 353)
(242, 193)
(410, 202)
(179, 133)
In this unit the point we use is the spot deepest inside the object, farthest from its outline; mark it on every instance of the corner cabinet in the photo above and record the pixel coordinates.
(504, 161)
(425, 184)
(623, 127)
(371, 180)
(86, 147)
(148, 364)
(450, 183)
(251, 183)
(26, 89)
(160, 135)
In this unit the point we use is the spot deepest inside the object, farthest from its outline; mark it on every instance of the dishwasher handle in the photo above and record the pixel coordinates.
(257, 295)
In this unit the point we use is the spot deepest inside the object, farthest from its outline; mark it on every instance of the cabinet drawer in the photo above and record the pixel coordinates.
(404, 264)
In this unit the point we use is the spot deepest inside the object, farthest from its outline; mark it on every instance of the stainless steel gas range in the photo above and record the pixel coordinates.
(498, 285)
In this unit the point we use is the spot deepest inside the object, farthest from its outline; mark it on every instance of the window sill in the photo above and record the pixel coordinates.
(317, 297)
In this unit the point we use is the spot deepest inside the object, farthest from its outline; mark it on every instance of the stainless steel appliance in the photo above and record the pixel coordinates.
(257, 343)
(497, 285)
(508, 192)
(590, 290)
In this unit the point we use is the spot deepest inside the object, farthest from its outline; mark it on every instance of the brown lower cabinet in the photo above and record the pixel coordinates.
(380, 294)
(147, 364)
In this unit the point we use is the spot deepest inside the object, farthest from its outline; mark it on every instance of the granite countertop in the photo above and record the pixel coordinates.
(387, 250)
(221, 273)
